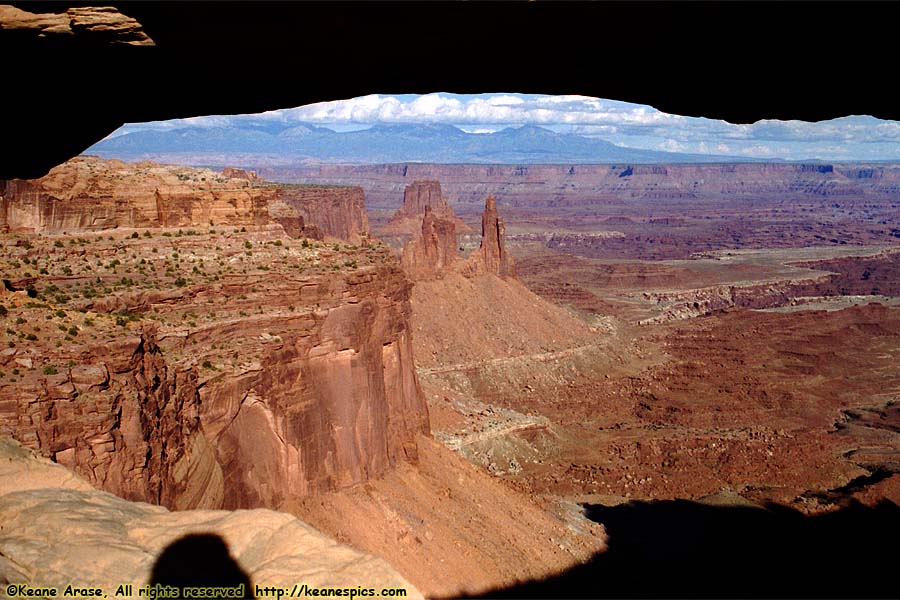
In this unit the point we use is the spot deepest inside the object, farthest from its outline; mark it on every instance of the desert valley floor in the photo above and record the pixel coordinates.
(531, 381)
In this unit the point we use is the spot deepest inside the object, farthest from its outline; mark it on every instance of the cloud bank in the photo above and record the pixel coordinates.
(622, 123)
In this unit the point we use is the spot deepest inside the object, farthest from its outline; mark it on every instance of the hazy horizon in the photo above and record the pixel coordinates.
(627, 125)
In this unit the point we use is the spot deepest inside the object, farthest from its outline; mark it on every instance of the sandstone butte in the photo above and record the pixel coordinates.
(55, 524)
(417, 198)
(433, 251)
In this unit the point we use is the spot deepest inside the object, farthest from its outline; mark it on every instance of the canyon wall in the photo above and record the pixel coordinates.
(330, 397)
(108, 541)
(562, 185)
(337, 211)
(87, 193)
(119, 415)
(224, 369)
(92, 194)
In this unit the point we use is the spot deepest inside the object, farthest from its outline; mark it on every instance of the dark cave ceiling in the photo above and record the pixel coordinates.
(738, 61)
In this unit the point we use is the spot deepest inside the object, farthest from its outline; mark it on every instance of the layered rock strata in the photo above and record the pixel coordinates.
(433, 252)
(577, 185)
(417, 198)
(338, 212)
(229, 370)
(119, 415)
(491, 256)
(89, 194)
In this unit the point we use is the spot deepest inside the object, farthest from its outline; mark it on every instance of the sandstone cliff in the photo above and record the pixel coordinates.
(58, 530)
(433, 252)
(256, 368)
(575, 185)
(417, 197)
(89, 194)
(338, 212)
(236, 173)
(119, 415)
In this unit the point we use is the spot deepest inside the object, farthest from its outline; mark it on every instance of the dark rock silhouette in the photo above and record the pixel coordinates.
(199, 560)
(680, 548)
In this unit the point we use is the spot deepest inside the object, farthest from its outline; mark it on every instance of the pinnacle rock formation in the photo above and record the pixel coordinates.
(416, 198)
(492, 256)
(433, 252)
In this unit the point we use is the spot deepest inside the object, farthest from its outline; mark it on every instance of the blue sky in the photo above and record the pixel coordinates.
(622, 123)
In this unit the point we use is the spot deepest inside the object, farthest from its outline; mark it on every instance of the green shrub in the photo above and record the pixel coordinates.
(50, 370)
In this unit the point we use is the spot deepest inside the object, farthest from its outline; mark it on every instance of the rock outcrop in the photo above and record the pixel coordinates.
(236, 173)
(237, 370)
(491, 256)
(57, 525)
(338, 212)
(92, 25)
(89, 194)
(417, 197)
(119, 415)
(433, 252)
(332, 398)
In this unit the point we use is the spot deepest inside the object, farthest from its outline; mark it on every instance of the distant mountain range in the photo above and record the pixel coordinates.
(237, 139)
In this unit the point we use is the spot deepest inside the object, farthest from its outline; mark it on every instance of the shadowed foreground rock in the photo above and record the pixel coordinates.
(58, 530)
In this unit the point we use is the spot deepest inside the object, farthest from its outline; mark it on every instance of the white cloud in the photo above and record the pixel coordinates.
(622, 123)
(671, 145)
